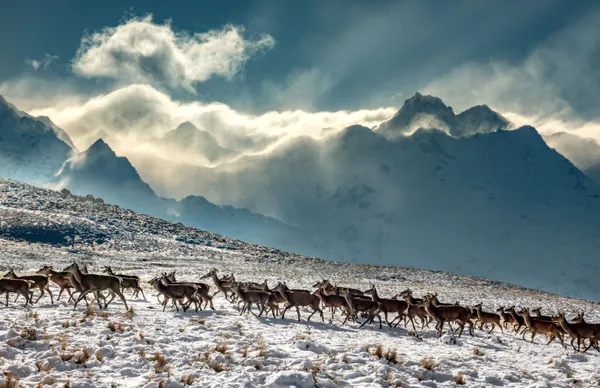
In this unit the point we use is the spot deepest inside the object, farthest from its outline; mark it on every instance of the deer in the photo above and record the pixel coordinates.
(580, 330)
(331, 289)
(39, 281)
(538, 314)
(221, 284)
(202, 289)
(92, 282)
(296, 299)
(250, 297)
(518, 320)
(357, 304)
(61, 279)
(127, 281)
(332, 301)
(176, 292)
(485, 318)
(580, 318)
(443, 314)
(18, 286)
(536, 325)
(505, 317)
(388, 305)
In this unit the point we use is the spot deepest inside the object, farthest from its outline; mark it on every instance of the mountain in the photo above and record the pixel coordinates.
(502, 204)
(422, 111)
(189, 142)
(582, 152)
(30, 150)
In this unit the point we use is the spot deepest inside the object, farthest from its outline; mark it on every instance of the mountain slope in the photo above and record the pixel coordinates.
(422, 111)
(492, 205)
(29, 149)
(582, 152)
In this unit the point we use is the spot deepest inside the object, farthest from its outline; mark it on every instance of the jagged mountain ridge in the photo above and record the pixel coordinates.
(582, 152)
(424, 111)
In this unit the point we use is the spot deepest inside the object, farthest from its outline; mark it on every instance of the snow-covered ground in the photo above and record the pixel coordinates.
(148, 347)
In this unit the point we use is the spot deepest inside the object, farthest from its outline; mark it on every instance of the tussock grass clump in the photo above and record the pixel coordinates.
(66, 324)
(115, 326)
(65, 356)
(160, 362)
(392, 357)
(102, 314)
(143, 352)
(99, 356)
(35, 315)
(478, 352)
(262, 347)
(41, 367)
(428, 363)
(89, 312)
(29, 334)
(378, 351)
(197, 320)
(459, 379)
(221, 348)
(245, 351)
(130, 313)
(83, 357)
(10, 381)
(218, 367)
(345, 358)
(188, 380)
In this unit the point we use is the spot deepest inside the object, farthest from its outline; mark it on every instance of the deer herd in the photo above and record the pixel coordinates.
(352, 303)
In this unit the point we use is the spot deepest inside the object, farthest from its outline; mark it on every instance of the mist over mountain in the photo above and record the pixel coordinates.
(582, 152)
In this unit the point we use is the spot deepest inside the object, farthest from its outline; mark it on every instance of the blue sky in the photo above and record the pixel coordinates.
(366, 53)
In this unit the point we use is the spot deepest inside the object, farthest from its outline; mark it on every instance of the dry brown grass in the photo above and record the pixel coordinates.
(29, 334)
(41, 367)
(102, 314)
(378, 351)
(245, 351)
(35, 315)
(143, 352)
(428, 363)
(188, 380)
(459, 379)
(66, 324)
(89, 312)
(221, 348)
(200, 321)
(392, 357)
(99, 356)
(115, 326)
(10, 381)
(262, 347)
(345, 358)
(130, 313)
(478, 352)
(65, 356)
(160, 362)
(218, 367)
(83, 357)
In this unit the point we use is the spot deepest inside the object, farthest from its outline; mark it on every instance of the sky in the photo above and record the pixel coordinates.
(254, 70)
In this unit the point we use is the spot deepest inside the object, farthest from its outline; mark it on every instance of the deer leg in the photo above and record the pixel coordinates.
(83, 294)
(284, 310)
(552, 337)
(51, 296)
(142, 291)
(533, 335)
(298, 311)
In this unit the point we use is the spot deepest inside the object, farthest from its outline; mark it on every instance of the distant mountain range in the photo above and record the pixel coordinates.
(428, 189)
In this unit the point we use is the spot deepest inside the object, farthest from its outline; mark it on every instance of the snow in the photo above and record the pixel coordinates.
(100, 348)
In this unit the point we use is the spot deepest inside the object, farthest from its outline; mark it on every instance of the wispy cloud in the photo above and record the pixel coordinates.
(140, 50)
(43, 63)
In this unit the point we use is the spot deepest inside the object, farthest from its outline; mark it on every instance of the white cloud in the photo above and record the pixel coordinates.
(44, 63)
(141, 51)
(134, 113)
(301, 90)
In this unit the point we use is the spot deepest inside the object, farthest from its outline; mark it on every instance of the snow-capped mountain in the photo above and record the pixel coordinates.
(423, 111)
(502, 204)
(188, 141)
(582, 152)
(29, 149)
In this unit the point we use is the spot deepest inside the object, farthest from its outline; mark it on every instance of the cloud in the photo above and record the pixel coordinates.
(301, 90)
(141, 51)
(44, 63)
(135, 113)
(557, 83)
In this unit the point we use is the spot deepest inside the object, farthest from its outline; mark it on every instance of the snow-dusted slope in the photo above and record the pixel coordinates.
(29, 149)
(502, 205)
(582, 152)
(92, 348)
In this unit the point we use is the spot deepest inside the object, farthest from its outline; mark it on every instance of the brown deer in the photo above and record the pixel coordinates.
(579, 331)
(538, 314)
(518, 320)
(358, 304)
(485, 318)
(127, 281)
(92, 282)
(202, 289)
(221, 284)
(250, 297)
(331, 289)
(39, 281)
(388, 305)
(61, 279)
(176, 292)
(332, 301)
(536, 325)
(296, 299)
(18, 286)
(443, 314)
(505, 316)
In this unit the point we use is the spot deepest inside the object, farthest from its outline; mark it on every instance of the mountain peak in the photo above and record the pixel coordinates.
(186, 126)
(100, 147)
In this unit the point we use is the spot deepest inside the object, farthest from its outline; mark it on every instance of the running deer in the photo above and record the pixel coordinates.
(297, 299)
(333, 302)
(202, 289)
(485, 318)
(505, 316)
(175, 292)
(581, 319)
(388, 305)
(538, 314)
(221, 284)
(250, 297)
(331, 289)
(39, 281)
(358, 304)
(536, 325)
(61, 279)
(518, 320)
(18, 286)
(443, 314)
(579, 331)
(92, 282)
(127, 281)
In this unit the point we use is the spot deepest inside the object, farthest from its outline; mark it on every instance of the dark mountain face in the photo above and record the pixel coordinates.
(584, 153)
(29, 150)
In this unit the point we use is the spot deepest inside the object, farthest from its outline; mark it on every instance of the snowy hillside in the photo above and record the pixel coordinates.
(582, 152)
(492, 205)
(146, 347)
